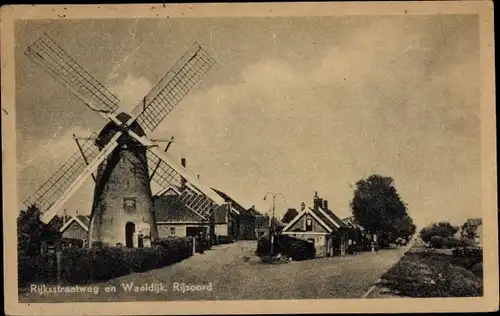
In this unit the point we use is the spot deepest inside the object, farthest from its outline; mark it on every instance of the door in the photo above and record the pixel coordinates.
(129, 234)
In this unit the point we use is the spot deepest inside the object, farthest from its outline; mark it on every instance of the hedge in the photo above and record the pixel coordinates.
(100, 263)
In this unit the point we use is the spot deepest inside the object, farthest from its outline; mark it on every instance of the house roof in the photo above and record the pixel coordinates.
(254, 212)
(333, 218)
(82, 220)
(351, 222)
(237, 206)
(324, 216)
(262, 221)
(168, 208)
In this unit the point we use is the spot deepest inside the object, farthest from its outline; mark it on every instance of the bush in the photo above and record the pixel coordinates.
(295, 248)
(436, 242)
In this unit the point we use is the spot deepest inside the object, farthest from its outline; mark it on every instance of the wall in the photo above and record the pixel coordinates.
(320, 241)
(164, 230)
(74, 230)
(246, 228)
(221, 230)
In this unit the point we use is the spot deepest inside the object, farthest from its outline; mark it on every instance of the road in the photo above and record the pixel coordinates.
(236, 274)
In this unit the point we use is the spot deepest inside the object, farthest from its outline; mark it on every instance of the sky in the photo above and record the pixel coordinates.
(293, 105)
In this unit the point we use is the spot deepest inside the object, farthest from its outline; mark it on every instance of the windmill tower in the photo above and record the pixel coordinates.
(124, 159)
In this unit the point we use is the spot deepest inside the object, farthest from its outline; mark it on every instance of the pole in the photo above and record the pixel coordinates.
(271, 219)
(271, 230)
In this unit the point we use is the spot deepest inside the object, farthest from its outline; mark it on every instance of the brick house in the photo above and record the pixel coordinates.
(321, 226)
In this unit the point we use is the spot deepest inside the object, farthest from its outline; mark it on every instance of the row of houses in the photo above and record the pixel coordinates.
(317, 224)
(231, 220)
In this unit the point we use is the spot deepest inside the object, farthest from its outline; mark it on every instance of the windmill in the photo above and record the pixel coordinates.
(121, 155)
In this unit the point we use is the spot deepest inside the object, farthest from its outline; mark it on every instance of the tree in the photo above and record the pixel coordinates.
(377, 207)
(290, 214)
(404, 227)
(442, 230)
(31, 231)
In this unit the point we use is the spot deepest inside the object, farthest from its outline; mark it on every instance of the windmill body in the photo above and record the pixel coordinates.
(122, 200)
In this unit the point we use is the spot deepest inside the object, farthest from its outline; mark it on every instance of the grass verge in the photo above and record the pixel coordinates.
(433, 274)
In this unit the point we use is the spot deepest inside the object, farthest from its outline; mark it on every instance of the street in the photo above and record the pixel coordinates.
(236, 274)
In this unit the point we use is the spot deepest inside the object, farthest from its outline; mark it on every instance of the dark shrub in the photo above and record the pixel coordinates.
(221, 240)
(36, 268)
(436, 242)
(66, 242)
(295, 248)
(76, 265)
(477, 269)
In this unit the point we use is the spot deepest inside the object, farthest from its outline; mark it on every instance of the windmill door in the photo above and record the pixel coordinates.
(129, 234)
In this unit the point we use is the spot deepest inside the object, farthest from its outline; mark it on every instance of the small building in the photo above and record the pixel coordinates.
(173, 218)
(321, 226)
(75, 227)
(262, 226)
(243, 220)
(473, 229)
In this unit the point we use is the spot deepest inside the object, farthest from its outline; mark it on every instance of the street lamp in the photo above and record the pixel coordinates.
(271, 220)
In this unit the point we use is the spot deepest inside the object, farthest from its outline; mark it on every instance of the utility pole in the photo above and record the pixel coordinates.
(271, 220)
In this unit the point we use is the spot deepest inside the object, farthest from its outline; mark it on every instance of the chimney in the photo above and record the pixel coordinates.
(183, 181)
(302, 206)
(325, 204)
(317, 202)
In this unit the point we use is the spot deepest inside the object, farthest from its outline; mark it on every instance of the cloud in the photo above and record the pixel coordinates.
(131, 90)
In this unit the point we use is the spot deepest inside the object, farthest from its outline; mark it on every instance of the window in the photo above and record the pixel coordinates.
(172, 230)
(129, 204)
(309, 225)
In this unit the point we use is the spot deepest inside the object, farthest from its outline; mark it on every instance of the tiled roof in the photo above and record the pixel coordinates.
(168, 208)
(334, 217)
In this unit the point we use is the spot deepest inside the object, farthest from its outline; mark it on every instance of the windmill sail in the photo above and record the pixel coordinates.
(54, 60)
(176, 84)
(192, 193)
(54, 187)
